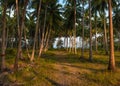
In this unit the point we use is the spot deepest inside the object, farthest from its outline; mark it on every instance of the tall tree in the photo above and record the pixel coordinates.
(82, 51)
(20, 26)
(90, 28)
(36, 31)
(75, 51)
(43, 33)
(111, 65)
(101, 6)
(52, 22)
(94, 9)
(116, 23)
(72, 16)
(3, 36)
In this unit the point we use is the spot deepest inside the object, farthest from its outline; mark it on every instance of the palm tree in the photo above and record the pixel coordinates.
(82, 51)
(116, 21)
(111, 65)
(75, 51)
(36, 31)
(96, 46)
(19, 46)
(94, 11)
(3, 36)
(69, 20)
(90, 27)
(20, 27)
(100, 6)
(43, 32)
(72, 14)
(52, 22)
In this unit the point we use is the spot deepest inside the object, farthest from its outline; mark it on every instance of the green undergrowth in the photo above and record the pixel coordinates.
(59, 68)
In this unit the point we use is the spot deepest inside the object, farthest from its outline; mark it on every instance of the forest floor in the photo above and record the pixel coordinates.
(59, 68)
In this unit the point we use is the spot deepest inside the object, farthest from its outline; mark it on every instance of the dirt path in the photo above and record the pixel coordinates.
(67, 74)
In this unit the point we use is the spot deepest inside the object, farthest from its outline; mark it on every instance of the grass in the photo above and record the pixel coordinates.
(59, 68)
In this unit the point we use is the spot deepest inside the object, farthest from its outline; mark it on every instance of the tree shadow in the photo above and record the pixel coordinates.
(86, 68)
(73, 59)
(53, 82)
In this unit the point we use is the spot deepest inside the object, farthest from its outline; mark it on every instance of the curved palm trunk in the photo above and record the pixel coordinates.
(111, 65)
(45, 38)
(47, 41)
(43, 34)
(90, 26)
(3, 38)
(36, 32)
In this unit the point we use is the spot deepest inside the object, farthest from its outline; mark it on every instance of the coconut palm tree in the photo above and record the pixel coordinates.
(116, 21)
(53, 20)
(75, 51)
(83, 32)
(3, 35)
(20, 26)
(111, 65)
(36, 30)
(90, 27)
(94, 9)
(43, 32)
(100, 6)
(72, 14)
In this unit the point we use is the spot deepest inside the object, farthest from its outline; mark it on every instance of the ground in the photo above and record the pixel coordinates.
(59, 68)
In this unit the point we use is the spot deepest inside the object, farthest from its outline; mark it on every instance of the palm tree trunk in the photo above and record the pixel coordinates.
(19, 45)
(20, 29)
(43, 34)
(47, 41)
(26, 45)
(96, 46)
(3, 37)
(64, 42)
(36, 32)
(105, 36)
(12, 40)
(90, 26)
(7, 32)
(67, 43)
(111, 65)
(118, 42)
(73, 46)
(82, 51)
(75, 50)
(46, 36)
(70, 43)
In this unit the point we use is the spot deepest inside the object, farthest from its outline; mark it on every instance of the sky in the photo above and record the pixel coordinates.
(61, 1)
